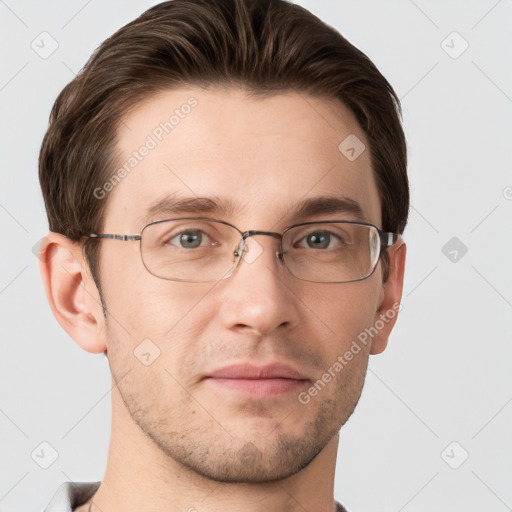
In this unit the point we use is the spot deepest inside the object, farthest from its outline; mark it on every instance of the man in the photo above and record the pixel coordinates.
(226, 187)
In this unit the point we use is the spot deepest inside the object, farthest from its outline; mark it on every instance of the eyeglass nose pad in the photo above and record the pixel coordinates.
(240, 248)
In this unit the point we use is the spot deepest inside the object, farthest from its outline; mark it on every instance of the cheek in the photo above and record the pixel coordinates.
(151, 319)
(141, 304)
(344, 310)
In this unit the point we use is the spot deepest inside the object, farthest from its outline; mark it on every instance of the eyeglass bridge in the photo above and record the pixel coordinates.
(252, 232)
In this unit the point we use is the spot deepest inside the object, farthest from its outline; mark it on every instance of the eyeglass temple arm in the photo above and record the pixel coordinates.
(388, 239)
(123, 238)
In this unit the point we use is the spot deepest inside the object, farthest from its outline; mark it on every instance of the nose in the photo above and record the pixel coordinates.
(259, 296)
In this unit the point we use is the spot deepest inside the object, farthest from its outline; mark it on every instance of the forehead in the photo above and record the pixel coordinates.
(250, 160)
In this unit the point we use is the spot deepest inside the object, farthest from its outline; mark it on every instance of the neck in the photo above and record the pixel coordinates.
(139, 476)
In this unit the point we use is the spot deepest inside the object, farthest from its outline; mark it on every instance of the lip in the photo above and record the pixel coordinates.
(257, 381)
(252, 371)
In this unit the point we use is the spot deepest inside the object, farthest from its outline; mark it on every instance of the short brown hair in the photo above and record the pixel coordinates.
(264, 46)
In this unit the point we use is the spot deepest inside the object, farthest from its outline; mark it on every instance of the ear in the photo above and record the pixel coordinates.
(390, 296)
(71, 291)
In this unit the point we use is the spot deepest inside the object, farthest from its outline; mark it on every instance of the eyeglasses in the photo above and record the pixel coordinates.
(206, 250)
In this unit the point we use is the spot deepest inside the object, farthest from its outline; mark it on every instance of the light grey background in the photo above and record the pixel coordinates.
(446, 375)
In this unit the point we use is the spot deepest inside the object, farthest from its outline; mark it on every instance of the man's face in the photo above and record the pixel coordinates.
(266, 156)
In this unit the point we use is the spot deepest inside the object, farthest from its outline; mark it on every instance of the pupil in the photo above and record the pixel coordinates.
(319, 240)
(191, 240)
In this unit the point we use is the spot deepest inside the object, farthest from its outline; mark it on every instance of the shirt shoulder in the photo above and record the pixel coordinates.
(70, 495)
(340, 507)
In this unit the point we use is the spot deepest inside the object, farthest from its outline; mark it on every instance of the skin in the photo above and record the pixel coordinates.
(177, 441)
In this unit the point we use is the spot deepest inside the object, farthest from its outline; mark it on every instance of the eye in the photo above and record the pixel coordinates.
(190, 239)
(321, 240)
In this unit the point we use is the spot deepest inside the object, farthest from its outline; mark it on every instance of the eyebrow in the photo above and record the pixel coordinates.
(173, 204)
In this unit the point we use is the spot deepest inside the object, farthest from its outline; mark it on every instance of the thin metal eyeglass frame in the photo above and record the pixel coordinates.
(386, 240)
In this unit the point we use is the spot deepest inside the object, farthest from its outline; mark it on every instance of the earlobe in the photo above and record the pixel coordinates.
(71, 291)
(389, 300)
